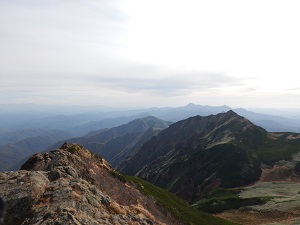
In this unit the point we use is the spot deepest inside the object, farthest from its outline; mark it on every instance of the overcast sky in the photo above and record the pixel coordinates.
(150, 53)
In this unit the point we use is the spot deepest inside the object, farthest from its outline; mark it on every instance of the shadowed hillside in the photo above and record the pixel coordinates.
(71, 185)
(195, 156)
(115, 144)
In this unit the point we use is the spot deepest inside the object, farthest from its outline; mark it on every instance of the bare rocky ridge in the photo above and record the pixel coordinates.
(71, 185)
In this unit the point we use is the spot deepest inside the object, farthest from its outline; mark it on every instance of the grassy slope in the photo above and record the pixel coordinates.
(174, 204)
(227, 199)
(281, 148)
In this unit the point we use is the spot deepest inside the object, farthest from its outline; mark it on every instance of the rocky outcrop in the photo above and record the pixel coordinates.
(71, 185)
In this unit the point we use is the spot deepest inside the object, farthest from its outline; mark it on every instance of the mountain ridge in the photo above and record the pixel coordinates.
(200, 154)
(72, 185)
(81, 123)
(120, 142)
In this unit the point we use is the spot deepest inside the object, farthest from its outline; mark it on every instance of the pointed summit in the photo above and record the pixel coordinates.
(197, 155)
(190, 105)
(231, 112)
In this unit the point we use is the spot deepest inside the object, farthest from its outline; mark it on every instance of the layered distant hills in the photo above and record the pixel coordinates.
(118, 143)
(221, 163)
(12, 153)
(27, 129)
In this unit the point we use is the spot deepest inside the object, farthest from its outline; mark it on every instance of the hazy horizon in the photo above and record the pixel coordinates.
(150, 53)
(57, 109)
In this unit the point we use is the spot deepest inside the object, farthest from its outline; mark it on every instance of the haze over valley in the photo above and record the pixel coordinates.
(211, 157)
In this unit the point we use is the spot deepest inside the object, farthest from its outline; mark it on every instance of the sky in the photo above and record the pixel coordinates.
(138, 53)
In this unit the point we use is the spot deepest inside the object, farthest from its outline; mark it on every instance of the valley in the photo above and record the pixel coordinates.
(273, 200)
(281, 203)
(131, 112)
(221, 164)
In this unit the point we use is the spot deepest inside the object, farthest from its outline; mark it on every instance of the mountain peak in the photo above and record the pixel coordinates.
(68, 154)
(195, 146)
(231, 112)
(191, 105)
(71, 185)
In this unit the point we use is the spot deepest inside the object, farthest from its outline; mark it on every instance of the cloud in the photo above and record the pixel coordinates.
(40, 37)
(74, 49)
(296, 89)
(159, 81)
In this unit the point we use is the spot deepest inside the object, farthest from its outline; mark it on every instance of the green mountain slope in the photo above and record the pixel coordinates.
(173, 203)
(193, 157)
(72, 185)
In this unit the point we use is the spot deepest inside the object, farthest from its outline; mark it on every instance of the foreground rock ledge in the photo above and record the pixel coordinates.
(71, 185)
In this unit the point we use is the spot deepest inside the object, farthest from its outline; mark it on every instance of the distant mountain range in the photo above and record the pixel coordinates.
(116, 144)
(220, 162)
(12, 153)
(271, 123)
(80, 121)
(20, 133)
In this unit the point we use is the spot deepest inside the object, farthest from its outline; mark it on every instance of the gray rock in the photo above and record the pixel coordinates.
(71, 186)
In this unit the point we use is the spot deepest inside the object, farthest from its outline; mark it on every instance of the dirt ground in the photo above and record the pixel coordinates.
(258, 218)
(277, 173)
